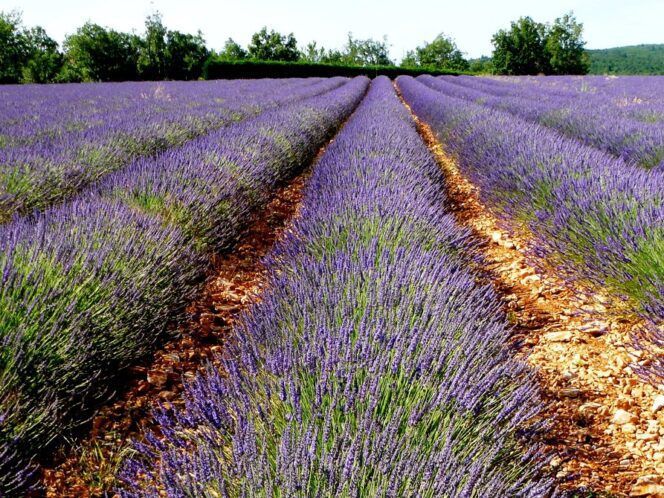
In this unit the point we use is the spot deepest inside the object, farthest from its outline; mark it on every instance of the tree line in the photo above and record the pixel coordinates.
(97, 53)
(637, 59)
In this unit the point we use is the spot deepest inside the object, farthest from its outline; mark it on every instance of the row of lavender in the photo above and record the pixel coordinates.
(89, 287)
(43, 114)
(80, 133)
(592, 216)
(638, 99)
(597, 120)
(635, 95)
(374, 365)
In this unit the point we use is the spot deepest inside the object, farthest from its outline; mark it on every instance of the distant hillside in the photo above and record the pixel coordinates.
(637, 59)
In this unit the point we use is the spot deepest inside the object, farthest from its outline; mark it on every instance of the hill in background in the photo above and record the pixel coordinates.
(636, 59)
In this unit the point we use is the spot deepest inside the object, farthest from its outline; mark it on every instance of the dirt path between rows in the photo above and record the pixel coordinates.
(236, 281)
(607, 424)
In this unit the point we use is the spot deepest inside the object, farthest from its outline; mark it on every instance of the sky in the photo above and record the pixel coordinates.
(407, 24)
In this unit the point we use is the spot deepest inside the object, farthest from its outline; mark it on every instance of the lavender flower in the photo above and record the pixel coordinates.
(90, 286)
(57, 140)
(595, 217)
(374, 365)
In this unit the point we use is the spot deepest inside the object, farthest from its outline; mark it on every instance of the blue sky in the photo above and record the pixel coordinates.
(407, 23)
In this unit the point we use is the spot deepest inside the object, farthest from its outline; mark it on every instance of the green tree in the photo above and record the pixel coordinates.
(482, 65)
(565, 46)
(95, 53)
(355, 52)
(14, 50)
(335, 56)
(313, 53)
(638, 59)
(522, 49)
(152, 59)
(273, 46)
(44, 60)
(367, 52)
(185, 55)
(530, 47)
(232, 51)
(441, 53)
(410, 59)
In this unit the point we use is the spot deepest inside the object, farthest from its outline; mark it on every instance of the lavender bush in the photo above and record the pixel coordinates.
(59, 139)
(601, 120)
(593, 216)
(90, 286)
(631, 94)
(374, 365)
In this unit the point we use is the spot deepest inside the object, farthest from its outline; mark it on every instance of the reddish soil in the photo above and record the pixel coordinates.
(607, 431)
(237, 280)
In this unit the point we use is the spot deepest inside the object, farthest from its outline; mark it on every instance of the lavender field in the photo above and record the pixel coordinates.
(384, 350)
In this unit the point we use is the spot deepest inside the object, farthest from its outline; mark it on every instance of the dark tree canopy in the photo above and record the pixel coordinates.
(441, 53)
(14, 48)
(482, 65)
(152, 56)
(530, 47)
(522, 49)
(44, 61)
(565, 47)
(232, 51)
(637, 59)
(273, 46)
(185, 55)
(95, 53)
